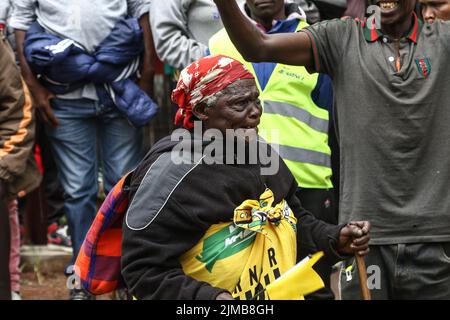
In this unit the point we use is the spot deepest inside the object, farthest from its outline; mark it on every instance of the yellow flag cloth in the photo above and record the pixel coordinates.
(297, 282)
(247, 254)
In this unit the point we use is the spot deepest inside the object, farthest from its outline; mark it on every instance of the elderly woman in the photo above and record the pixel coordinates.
(198, 230)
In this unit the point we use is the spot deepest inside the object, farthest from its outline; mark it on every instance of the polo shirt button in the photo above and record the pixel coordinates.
(385, 40)
(391, 59)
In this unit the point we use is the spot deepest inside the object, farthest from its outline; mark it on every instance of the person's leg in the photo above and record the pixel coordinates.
(424, 273)
(14, 258)
(53, 189)
(381, 266)
(121, 147)
(73, 144)
(5, 281)
(321, 204)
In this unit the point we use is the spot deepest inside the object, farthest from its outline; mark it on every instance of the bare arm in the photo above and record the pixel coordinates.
(148, 57)
(41, 95)
(287, 48)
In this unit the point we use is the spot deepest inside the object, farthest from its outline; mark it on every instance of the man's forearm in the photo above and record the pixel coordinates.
(292, 48)
(27, 74)
(149, 55)
(245, 36)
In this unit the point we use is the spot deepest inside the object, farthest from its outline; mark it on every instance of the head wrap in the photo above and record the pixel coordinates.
(201, 80)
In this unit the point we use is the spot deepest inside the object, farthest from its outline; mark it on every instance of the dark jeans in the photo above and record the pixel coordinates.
(5, 280)
(321, 203)
(402, 272)
(84, 126)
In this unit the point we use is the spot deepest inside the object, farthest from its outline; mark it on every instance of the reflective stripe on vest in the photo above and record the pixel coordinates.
(289, 110)
(302, 126)
(303, 155)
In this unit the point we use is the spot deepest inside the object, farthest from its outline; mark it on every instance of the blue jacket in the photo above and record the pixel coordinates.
(65, 66)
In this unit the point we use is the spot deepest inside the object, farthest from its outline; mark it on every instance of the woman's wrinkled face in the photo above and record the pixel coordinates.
(237, 107)
(433, 10)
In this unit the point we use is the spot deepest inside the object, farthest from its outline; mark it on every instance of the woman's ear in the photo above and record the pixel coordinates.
(201, 111)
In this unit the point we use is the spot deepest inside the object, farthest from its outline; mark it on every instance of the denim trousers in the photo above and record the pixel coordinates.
(89, 135)
(416, 271)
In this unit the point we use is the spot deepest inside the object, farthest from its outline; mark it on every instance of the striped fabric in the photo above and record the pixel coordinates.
(98, 263)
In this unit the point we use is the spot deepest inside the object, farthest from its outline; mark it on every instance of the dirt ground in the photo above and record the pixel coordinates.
(47, 287)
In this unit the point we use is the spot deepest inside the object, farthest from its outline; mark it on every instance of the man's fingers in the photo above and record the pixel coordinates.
(363, 253)
(51, 118)
(361, 240)
(359, 248)
(356, 231)
(363, 225)
(42, 115)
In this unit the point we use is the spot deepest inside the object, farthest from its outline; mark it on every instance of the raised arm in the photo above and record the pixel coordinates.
(287, 48)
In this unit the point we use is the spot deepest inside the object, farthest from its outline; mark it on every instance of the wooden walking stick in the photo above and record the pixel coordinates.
(365, 292)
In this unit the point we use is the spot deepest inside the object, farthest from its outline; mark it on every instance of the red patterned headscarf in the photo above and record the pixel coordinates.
(201, 80)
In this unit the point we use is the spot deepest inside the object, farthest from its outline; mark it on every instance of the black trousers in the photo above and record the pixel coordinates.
(321, 203)
(411, 271)
(54, 192)
(5, 280)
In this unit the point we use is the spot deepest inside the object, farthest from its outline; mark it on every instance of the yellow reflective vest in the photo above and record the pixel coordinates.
(291, 122)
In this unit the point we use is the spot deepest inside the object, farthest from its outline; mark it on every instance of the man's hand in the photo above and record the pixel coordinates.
(145, 82)
(40, 94)
(42, 99)
(354, 238)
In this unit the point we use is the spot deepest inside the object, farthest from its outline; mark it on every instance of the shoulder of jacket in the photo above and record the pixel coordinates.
(156, 188)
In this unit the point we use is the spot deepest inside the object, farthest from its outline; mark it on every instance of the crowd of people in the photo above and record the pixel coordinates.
(357, 99)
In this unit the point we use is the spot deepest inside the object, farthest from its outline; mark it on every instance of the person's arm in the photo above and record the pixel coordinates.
(148, 57)
(24, 14)
(140, 10)
(336, 241)
(150, 257)
(17, 123)
(3, 13)
(286, 48)
(42, 96)
(156, 234)
(170, 33)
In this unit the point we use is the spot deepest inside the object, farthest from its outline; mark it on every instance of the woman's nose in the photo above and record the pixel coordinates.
(256, 110)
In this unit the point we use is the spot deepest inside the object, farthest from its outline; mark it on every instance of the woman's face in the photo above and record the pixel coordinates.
(238, 107)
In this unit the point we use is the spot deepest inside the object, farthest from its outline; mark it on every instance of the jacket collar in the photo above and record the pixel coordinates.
(374, 34)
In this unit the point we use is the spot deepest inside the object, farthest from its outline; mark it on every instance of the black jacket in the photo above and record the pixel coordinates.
(174, 220)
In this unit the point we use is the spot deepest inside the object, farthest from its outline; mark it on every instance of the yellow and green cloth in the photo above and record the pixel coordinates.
(247, 255)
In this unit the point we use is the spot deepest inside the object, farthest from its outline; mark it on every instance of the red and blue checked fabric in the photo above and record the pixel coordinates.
(98, 263)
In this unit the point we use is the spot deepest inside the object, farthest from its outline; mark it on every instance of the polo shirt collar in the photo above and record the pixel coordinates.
(373, 35)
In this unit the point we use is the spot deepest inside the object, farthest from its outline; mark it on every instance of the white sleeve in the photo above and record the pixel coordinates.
(137, 8)
(173, 44)
(23, 14)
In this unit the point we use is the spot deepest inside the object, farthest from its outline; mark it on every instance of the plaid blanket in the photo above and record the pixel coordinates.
(98, 263)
